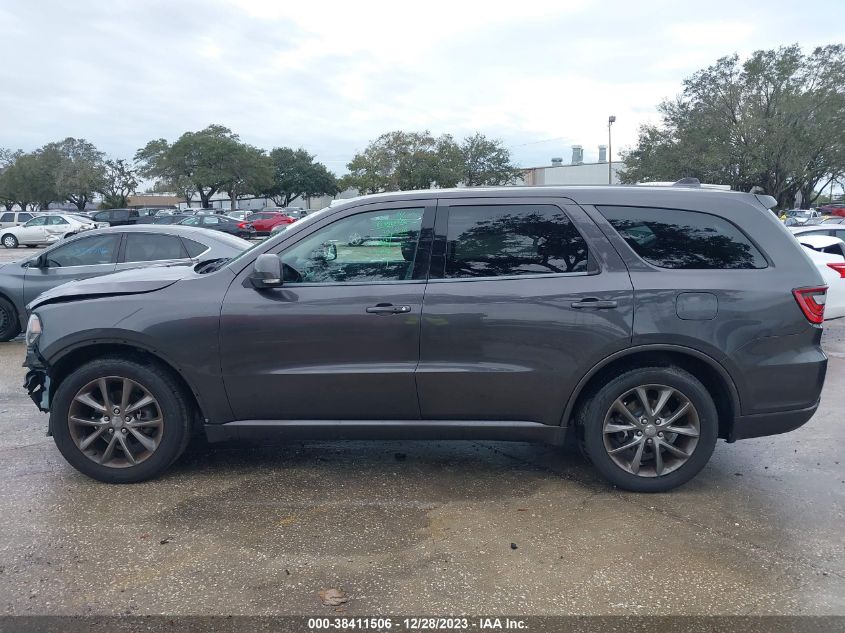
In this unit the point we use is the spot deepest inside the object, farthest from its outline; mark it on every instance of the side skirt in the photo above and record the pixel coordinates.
(387, 430)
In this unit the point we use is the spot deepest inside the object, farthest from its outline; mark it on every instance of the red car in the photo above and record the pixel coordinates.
(264, 221)
(836, 210)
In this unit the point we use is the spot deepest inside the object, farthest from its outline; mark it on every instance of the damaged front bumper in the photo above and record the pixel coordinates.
(37, 380)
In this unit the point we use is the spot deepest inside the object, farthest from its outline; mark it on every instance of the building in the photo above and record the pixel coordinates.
(577, 172)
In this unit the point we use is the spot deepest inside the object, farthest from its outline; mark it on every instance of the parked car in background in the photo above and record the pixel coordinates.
(264, 221)
(825, 229)
(519, 313)
(837, 210)
(117, 217)
(834, 220)
(170, 218)
(823, 244)
(223, 223)
(796, 217)
(100, 252)
(239, 214)
(831, 266)
(14, 218)
(44, 229)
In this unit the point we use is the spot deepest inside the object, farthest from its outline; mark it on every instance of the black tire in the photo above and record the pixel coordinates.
(591, 417)
(9, 241)
(32, 245)
(175, 408)
(10, 326)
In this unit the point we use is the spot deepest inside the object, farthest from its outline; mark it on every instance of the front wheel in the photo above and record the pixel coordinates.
(10, 326)
(10, 241)
(650, 429)
(120, 421)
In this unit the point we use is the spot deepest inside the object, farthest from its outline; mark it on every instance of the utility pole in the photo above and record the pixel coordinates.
(610, 121)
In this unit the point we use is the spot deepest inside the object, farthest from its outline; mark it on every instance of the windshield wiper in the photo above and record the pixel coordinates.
(210, 265)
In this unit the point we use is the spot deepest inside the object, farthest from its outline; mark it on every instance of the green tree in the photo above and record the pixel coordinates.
(206, 159)
(417, 160)
(30, 181)
(7, 159)
(77, 168)
(296, 174)
(775, 122)
(486, 162)
(119, 183)
(250, 172)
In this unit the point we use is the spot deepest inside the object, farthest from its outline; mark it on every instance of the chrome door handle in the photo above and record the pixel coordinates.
(592, 302)
(388, 308)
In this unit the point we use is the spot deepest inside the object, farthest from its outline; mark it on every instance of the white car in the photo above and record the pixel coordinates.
(45, 229)
(832, 269)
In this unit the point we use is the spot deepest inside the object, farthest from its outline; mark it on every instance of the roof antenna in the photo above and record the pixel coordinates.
(687, 182)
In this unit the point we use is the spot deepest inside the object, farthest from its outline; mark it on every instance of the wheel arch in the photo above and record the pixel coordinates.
(709, 371)
(75, 356)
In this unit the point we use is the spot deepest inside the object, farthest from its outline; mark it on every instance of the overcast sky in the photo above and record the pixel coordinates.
(330, 76)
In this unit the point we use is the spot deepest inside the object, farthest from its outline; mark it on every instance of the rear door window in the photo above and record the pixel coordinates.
(674, 238)
(150, 247)
(519, 239)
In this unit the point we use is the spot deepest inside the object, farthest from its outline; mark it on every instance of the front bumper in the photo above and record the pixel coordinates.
(37, 380)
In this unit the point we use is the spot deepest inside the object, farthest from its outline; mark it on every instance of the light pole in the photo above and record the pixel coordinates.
(610, 121)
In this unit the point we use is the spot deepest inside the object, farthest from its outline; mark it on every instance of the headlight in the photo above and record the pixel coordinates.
(33, 330)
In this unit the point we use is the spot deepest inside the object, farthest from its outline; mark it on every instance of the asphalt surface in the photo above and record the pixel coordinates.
(422, 528)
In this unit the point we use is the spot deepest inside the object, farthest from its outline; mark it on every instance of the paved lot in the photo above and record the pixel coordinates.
(411, 527)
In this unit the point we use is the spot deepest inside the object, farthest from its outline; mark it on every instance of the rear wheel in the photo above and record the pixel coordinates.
(649, 429)
(120, 421)
(10, 327)
(10, 241)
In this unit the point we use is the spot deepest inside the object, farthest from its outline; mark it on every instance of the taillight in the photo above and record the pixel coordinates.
(242, 225)
(838, 267)
(811, 302)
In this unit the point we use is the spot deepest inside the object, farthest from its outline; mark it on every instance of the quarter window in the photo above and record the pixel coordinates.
(87, 251)
(672, 238)
(504, 240)
(150, 247)
(371, 246)
(194, 248)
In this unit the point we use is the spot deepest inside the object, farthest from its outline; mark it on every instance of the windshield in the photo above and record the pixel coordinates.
(307, 220)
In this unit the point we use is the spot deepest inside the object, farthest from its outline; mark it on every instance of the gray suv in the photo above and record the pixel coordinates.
(644, 321)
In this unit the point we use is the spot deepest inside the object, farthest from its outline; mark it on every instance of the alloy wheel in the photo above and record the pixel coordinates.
(651, 430)
(115, 422)
(10, 242)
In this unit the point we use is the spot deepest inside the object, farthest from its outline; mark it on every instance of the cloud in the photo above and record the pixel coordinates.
(330, 76)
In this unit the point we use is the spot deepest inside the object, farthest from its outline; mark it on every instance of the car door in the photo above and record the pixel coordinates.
(34, 231)
(340, 340)
(88, 256)
(57, 226)
(141, 248)
(525, 295)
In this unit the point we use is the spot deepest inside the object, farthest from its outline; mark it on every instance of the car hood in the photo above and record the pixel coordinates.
(127, 282)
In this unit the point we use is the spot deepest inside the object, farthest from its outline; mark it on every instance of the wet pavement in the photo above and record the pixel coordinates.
(423, 528)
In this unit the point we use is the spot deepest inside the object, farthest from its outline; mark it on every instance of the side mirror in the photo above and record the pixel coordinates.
(266, 272)
(40, 261)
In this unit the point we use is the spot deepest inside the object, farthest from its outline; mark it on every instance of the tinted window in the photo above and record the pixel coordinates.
(671, 238)
(7, 217)
(499, 240)
(102, 216)
(372, 246)
(149, 247)
(194, 248)
(120, 215)
(87, 251)
(23, 217)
